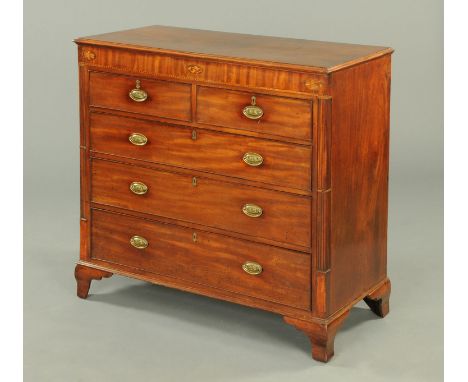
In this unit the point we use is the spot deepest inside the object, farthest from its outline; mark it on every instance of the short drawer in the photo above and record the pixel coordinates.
(205, 258)
(281, 116)
(282, 217)
(163, 98)
(226, 154)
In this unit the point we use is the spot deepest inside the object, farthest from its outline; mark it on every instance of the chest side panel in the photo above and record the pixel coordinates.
(359, 179)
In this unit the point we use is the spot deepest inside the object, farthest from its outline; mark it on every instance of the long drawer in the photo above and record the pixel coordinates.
(218, 261)
(253, 211)
(227, 154)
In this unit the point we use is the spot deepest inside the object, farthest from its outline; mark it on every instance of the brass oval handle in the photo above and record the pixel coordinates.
(139, 242)
(138, 139)
(253, 111)
(253, 159)
(138, 188)
(252, 268)
(137, 94)
(252, 210)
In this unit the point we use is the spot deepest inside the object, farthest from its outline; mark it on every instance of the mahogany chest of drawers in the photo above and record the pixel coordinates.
(246, 168)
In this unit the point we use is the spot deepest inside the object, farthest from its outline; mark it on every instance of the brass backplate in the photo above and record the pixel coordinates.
(252, 210)
(252, 268)
(139, 242)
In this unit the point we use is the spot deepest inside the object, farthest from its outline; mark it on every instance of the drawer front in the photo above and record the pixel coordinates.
(285, 217)
(226, 154)
(287, 117)
(164, 99)
(204, 258)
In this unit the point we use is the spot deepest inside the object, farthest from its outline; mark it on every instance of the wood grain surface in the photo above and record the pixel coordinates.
(316, 55)
(215, 72)
(285, 218)
(165, 99)
(282, 116)
(359, 179)
(199, 149)
(209, 259)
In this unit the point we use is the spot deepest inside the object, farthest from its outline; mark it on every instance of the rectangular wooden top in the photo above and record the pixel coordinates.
(317, 56)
